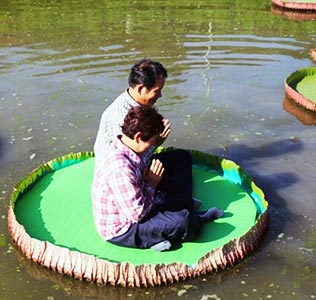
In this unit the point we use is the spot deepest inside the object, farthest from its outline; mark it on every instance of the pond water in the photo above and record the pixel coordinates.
(63, 62)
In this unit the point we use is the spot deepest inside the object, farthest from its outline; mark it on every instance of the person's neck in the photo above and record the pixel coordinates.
(133, 92)
(130, 143)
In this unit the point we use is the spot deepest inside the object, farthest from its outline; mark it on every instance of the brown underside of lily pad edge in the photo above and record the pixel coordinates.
(292, 14)
(86, 267)
(307, 117)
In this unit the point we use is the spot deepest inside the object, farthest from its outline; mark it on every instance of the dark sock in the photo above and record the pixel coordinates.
(209, 215)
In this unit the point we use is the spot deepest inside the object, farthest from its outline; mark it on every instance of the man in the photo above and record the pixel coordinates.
(125, 191)
(146, 81)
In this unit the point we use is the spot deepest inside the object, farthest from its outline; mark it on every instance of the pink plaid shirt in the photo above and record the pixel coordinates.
(120, 196)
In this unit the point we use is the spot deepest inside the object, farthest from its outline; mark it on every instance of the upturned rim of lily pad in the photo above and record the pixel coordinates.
(295, 5)
(300, 95)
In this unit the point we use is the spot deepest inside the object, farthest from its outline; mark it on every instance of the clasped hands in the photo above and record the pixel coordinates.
(154, 175)
(162, 137)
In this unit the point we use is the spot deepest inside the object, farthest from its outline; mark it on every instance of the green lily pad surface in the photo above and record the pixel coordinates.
(307, 87)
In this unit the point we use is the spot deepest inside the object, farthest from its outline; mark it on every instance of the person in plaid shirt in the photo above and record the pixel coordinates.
(127, 203)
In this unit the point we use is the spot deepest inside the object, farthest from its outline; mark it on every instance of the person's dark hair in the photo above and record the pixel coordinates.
(143, 119)
(146, 72)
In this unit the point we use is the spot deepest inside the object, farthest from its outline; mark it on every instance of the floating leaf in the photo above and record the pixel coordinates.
(2, 240)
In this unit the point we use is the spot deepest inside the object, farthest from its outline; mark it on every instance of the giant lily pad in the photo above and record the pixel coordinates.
(300, 87)
(50, 219)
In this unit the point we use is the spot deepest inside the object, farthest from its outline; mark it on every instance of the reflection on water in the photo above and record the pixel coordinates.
(63, 62)
(307, 117)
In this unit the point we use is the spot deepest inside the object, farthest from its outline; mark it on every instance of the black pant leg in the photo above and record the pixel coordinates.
(176, 180)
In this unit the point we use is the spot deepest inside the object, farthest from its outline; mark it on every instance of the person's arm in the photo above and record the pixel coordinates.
(159, 141)
(152, 177)
(133, 196)
(154, 174)
(163, 136)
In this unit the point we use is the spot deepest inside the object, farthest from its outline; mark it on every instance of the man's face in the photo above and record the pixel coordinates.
(149, 97)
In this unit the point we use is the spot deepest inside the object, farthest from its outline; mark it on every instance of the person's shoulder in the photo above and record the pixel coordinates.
(111, 156)
(117, 104)
(118, 150)
(123, 97)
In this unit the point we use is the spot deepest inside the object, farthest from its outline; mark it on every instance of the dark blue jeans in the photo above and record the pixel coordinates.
(174, 226)
(177, 180)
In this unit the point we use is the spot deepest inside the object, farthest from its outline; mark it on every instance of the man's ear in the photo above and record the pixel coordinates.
(137, 137)
(140, 89)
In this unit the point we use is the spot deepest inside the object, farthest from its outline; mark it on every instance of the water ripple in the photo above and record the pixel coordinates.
(39, 62)
(213, 51)
(238, 50)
